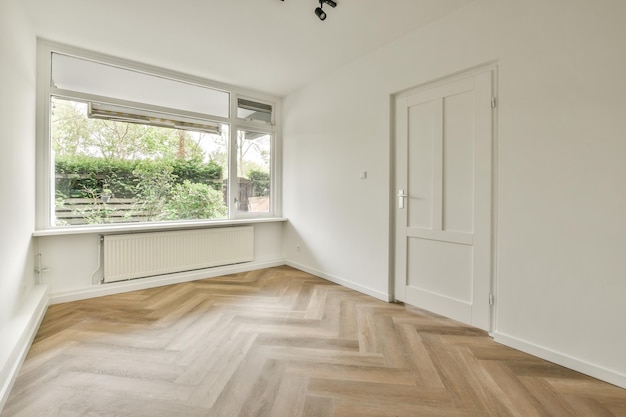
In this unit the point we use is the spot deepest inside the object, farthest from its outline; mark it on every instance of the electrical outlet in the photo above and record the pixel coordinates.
(298, 248)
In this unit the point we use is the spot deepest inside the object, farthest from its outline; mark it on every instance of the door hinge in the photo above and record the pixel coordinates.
(491, 299)
(493, 102)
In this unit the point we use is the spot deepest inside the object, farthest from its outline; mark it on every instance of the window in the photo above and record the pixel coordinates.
(124, 143)
(253, 111)
(253, 171)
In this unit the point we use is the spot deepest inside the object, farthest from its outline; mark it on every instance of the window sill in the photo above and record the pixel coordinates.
(151, 227)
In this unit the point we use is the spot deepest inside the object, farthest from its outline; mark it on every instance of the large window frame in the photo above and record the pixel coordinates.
(45, 164)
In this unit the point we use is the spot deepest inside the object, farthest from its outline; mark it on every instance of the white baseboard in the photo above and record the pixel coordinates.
(18, 336)
(341, 281)
(101, 290)
(562, 359)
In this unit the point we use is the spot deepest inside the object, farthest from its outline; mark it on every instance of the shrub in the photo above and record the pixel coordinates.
(195, 201)
(81, 176)
(163, 189)
(260, 183)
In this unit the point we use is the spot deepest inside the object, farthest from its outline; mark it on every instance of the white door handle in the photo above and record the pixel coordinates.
(401, 196)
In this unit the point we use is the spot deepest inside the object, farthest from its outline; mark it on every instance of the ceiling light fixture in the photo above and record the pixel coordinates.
(321, 13)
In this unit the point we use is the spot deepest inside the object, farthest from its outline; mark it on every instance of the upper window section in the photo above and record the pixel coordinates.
(253, 111)
(94, 78)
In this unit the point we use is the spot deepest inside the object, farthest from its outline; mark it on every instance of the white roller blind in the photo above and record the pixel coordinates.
(90, 77)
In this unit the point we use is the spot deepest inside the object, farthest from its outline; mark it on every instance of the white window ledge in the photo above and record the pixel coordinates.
(151, 227)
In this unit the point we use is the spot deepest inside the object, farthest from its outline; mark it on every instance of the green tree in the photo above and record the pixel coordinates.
(251, 143)
(74, 133)
(70, 131)
(154, 183)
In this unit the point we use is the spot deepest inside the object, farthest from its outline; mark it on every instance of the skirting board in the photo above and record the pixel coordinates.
(581, 366)
(343, 282)
(159, 281)
(18, 336)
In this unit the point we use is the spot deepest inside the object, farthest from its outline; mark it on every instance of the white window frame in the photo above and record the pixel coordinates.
(45, 166)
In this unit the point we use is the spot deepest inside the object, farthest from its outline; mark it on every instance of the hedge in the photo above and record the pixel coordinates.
(84, 176)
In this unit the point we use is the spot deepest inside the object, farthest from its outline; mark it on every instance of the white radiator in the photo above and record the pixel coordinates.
(138, 255)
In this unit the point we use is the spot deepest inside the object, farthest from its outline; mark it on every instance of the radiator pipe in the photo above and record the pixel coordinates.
(39, 269)
(94, 279)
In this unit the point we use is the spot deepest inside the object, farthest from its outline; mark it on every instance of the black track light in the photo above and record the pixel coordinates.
(320, 13)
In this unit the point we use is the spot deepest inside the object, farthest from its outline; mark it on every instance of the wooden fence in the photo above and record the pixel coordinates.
(76, 211)
(79, 211)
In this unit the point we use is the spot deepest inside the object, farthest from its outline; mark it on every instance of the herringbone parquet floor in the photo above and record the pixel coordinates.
(280, 342)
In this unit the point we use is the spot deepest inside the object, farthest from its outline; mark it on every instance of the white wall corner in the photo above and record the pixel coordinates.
(559, 358)
(18, 337)
(342, 281)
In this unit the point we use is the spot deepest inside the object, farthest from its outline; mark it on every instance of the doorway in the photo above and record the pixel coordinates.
(443, 228)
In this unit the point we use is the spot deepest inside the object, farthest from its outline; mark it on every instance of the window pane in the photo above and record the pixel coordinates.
(254, 111)
(75, 74)
(117, 172)
(253, 171)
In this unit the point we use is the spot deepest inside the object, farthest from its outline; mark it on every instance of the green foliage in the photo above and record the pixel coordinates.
(80, 176)
(160, 171)
(195, 170)
(96, 213)
(74, 133)
(195, 201)
(163, 189)
(81, 164)
(154, 181)
(260, 183)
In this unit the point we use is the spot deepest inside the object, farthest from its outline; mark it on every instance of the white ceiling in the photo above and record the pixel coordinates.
(266, 45)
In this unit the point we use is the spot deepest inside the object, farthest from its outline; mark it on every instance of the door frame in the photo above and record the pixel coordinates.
(488, 66)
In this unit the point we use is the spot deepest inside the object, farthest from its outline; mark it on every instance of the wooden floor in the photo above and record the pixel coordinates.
(280, 342)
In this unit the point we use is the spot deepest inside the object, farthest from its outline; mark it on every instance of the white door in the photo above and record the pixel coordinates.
(443, 216)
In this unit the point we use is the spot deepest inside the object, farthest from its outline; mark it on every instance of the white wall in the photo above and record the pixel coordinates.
(73, 264)
(339, 126)
(562, 274)
(20, 300)
(17, 158)
(561, 220)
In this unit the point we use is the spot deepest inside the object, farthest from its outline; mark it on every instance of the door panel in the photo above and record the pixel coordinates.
(443, 226)
(439, 267)
(458, 164)
(420, 188)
